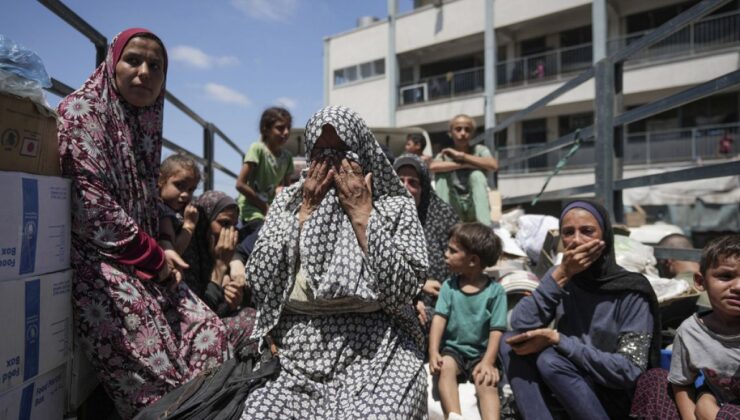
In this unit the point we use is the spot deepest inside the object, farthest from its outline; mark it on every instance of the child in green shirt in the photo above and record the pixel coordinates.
(267, 166)
(469, 319)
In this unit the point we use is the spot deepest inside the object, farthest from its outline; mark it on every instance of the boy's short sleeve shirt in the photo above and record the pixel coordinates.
(471, 317)
(268, 173)
(696, 348)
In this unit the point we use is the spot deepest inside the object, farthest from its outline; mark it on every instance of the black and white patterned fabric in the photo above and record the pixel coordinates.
(346, 365)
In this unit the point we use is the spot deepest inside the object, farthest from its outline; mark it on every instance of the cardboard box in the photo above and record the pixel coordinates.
(35, 224)
(37, 326)
(41, 398)
(28, 137)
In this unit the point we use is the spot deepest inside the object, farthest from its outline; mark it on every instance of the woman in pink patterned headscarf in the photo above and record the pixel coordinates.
(143, 330)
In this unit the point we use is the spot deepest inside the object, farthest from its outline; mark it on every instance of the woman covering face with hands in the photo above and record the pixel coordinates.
(214, 275)
(335, 268)
(608, 331)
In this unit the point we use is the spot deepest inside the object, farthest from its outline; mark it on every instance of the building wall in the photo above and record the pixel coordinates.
(430, 25)
(355, 47)
(368, 98)
(439, 111)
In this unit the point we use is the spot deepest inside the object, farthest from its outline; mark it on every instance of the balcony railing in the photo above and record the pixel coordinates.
(442, 86)
(710, 33)
(641, 148)
(549, 65)
(705, 35)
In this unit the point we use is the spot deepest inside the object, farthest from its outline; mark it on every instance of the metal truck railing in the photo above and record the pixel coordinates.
(687, 144)
(210, 130)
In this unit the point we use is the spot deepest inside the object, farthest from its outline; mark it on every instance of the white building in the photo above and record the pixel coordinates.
(541, 44)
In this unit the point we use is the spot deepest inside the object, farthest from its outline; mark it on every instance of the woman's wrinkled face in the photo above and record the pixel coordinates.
(411, 180)
(328, 140)
(140, 72)
(579, 226)
(226, 219)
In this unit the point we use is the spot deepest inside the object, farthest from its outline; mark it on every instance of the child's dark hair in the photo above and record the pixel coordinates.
(479, 240)
(169, 166)
(418, 140)
(272, 115)
(717, 250)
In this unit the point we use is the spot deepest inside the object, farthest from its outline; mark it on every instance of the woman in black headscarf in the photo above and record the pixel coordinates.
(213, 274)
(608, 328)
(437, 218)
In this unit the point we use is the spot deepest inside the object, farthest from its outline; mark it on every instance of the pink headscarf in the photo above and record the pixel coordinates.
(112, 151)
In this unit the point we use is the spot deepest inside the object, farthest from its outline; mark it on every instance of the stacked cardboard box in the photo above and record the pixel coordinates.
(35, 279)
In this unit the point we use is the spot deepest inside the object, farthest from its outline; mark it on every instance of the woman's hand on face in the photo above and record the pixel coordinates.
(318, 181)
(578, 258)
(226, 244)
(431, 287)
(354, 191)
(533, 341)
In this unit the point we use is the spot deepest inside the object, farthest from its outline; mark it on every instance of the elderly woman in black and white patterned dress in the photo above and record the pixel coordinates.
(339, 260)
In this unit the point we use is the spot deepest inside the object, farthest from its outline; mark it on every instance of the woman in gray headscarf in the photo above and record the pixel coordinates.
(340, 258)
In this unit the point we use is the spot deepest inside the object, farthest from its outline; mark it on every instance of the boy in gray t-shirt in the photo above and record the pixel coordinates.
(710, 343)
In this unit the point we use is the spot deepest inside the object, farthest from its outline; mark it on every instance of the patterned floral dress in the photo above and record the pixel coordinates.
(143, 338)
(342, 364)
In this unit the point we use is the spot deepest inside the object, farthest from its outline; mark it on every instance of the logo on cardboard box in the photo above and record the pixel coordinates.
(9, 139)
(30, 147)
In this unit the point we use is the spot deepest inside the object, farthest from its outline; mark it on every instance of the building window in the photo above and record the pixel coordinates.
(359, 72)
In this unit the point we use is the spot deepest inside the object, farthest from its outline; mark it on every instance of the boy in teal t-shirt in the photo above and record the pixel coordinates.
(266, 167)
(469, 319)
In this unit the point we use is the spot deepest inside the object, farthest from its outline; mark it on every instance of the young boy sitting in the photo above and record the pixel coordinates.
(710, 342)
(469, 319)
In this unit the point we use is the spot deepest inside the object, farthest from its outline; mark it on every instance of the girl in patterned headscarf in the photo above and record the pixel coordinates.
(144, 332)
(437, 218)
(333, 273)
